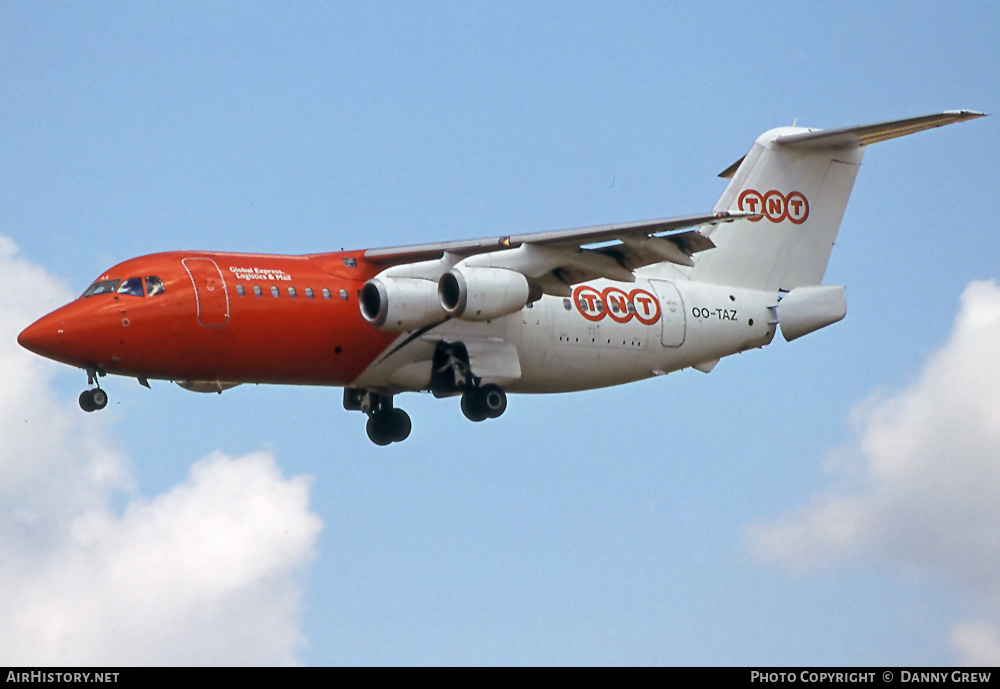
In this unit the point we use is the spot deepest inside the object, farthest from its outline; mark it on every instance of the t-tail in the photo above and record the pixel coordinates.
(796, 183)
(798, 180)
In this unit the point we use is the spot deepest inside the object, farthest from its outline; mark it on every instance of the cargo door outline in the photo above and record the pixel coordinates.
(672, 314)
(211, 297)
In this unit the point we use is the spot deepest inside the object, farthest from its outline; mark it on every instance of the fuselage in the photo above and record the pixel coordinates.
(251, 318)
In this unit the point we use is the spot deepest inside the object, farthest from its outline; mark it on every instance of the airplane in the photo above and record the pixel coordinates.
(545, 312)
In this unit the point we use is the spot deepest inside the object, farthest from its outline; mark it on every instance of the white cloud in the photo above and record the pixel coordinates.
(919, 489)
(978, 643)
(207, 572)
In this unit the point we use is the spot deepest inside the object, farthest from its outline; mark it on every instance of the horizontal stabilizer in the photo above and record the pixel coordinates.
(873, 133)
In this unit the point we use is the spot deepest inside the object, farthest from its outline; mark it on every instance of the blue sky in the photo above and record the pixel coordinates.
(742, 517)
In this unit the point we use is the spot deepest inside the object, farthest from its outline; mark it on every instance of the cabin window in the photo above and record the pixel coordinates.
(292, 293)
(343, 294)
(326, 293)
(101, 287)
(154, 286)
(309, 292)
(567, 305)
(257, 291)
(240, 291)
(131, 287)
(274, 291)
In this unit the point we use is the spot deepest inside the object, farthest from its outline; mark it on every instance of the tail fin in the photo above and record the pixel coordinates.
(799, 180)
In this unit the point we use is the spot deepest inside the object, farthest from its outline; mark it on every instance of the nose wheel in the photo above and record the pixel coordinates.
(93, 400)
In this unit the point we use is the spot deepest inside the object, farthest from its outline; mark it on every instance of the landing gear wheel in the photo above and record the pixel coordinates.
(487, 402)
(399, 425)
(92, 400)
(99, 398)
(87, 401)
(473, 406)
(388, 426)
(494, 400)
(378, 431)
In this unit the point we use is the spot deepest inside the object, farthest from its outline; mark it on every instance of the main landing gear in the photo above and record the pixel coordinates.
(486, 402)
(386, 424)
(93, 399)
(451, 375)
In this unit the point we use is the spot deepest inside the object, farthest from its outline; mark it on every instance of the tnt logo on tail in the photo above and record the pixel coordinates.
(775, 206)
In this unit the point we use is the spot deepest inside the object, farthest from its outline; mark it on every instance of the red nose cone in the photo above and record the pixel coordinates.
(45, 336)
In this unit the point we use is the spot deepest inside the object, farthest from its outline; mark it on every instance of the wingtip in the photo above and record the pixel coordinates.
(966, 114)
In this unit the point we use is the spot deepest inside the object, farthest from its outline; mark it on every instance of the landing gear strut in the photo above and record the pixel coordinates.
(386, 424)
(93, 399)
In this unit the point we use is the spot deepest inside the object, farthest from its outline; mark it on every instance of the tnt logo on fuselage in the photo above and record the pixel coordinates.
(621, 306)
(775, 206)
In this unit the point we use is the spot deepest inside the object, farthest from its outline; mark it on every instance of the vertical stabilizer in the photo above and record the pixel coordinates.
(798, 181)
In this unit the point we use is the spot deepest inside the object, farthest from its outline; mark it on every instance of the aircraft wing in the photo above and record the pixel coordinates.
(558, 259)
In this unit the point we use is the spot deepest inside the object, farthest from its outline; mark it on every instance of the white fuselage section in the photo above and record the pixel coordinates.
(607, 333)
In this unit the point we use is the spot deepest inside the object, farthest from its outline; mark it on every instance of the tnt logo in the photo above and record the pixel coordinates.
(775, 206)
(619, 305)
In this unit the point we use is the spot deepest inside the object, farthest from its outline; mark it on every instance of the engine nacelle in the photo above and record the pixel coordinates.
(482, 294)
(400, 304)
(806, 309)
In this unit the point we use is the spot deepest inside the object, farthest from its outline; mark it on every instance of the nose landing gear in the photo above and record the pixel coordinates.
(93, 399)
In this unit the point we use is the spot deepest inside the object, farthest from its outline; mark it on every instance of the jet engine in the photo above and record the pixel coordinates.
(482, 294)
(399, 304)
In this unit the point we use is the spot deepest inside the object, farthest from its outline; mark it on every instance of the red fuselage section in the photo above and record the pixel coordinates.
(246, 318)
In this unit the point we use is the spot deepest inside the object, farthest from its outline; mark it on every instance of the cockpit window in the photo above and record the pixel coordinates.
(154, 286)
(101, 287)
(132, 286)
